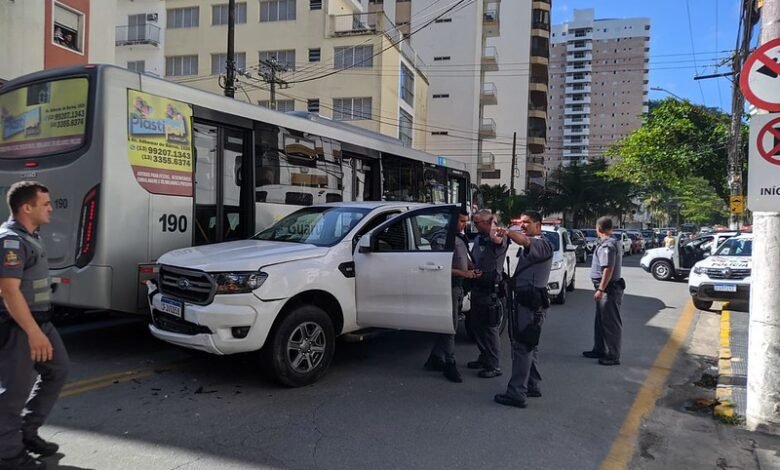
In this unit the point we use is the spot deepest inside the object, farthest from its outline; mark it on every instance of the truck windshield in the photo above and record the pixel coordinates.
(321, 226)
(736, 247)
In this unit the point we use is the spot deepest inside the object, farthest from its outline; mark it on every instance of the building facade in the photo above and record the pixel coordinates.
(487, 63)
(39, 35)
(140, 36)
(598, 85)
(332, 58)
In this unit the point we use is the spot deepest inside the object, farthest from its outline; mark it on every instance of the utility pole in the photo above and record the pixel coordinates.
(230, 63)
(514, 164)
(269, 75)
(763, 396)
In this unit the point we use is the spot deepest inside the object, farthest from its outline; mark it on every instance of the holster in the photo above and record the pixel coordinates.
(619, 284)
(533, 298)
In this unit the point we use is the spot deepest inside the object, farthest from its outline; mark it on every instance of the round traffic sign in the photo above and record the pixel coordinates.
(760, 76)
(769, 142)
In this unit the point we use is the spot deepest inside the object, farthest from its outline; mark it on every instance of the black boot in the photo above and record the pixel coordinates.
(451, 372)
(37, 445)
(434, 364)
(23, 461)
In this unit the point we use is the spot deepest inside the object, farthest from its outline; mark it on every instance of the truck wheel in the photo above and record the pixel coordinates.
(300, 348)
(702, 304)
(571, 286)
(560, 299)
(662, 270)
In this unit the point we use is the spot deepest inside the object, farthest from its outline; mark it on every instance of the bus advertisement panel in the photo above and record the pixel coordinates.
(159, 143)
(43, 118)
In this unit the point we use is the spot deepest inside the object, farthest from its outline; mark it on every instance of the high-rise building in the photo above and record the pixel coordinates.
(44, 34)
(140, 36)
(487, 64)
(598, 85)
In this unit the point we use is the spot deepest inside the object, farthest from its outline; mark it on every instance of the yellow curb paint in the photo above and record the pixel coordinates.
(725, 410)
(723, 394)
(88, 385)
(622, 449)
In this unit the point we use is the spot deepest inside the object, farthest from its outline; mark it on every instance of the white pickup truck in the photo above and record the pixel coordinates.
(724, 276)
(322, 271)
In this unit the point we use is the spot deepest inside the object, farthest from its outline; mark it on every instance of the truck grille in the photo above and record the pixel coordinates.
(727, 273)
(170, 323)
(195, 287)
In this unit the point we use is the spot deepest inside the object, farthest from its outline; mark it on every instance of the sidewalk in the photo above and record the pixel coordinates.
(732, 380)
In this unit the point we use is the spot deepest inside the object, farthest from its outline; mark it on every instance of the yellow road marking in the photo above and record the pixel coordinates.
(88, 385)
(622, 449)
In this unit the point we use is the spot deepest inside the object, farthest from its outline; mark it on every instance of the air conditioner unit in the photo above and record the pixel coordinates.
(151, 17)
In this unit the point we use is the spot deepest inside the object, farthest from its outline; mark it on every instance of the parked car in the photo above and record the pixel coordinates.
(650, 240)
(637, 242)
(591, 237)
(580, 244)
(669, 263)
(726, 275)
(564, 263)
(622, 237)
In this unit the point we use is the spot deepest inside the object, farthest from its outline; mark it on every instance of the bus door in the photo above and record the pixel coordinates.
(224, 179)
(458, 188)
(360, 178)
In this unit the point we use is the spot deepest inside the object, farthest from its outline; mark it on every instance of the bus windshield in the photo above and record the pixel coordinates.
(43, 118)
(321, 226)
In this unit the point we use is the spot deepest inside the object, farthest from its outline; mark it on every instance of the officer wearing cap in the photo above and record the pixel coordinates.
(606, 276)
(29, 345)
(488, 252)
(529, 307)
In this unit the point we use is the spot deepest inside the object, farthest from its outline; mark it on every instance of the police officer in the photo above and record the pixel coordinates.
(488, 254)
(529, 306)
(605, 273)
(29, 344)
(442, 357)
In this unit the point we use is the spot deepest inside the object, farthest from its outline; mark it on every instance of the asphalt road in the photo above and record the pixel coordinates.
(140, 404)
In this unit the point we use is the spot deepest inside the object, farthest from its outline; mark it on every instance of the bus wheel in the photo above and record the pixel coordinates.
(300, 348)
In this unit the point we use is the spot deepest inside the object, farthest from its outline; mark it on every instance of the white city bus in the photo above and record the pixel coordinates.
(139, 166)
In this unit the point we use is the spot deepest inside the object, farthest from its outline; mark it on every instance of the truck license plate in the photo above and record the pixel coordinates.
(724, 288)
(174, 307)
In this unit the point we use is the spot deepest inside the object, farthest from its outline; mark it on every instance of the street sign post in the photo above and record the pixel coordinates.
(760, 77)
(764, 163)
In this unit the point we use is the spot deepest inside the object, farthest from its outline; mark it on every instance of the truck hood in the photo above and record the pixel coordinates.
(733, 262)
(243, 255)
(662, 252)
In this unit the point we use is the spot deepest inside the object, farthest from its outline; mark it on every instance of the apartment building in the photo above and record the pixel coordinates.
(598, 85)
(487, 63)
(336, 59)
(44, 34)
(140, 35)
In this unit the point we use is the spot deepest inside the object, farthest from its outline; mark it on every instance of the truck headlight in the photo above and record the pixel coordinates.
(699, 270)
(556, 265)
(239, 283)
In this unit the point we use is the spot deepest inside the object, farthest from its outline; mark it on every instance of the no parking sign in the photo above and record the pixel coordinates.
(760, 77)
(764, 163)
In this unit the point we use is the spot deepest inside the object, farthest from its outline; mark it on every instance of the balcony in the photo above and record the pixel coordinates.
(537, 135)
(537, 112)
(490, 59)
(579, 57)
(577, 141)
(576, 131)
(581, 35)
(489, 94)
(541, 5)
(571, 79)
(490, 20)
(535, 167)
(487, 128)
(487, 162)
(578, 121)
(569, 100)
(577, 89)
(578, 46)
(579, 68)
(138, 34)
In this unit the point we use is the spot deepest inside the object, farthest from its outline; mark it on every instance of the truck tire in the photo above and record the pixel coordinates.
(662, 270)
(300, 348)
(702, 304)
(570, 287)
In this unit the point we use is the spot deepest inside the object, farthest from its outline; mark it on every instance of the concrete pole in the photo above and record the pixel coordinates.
(763, 391)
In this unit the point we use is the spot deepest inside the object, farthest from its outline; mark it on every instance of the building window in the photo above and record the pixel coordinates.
(405, 122)
(219, 14)
(314, 55)
(407, 85)
(441, 95)
(351, 109)
(285, 58)
(219, 62)
(180, 65)
(283, 106)
(313, 106)
(315, 4)
(183, 17)
(357, 56)
(442, 57)
(68, 28)
(138, 66)
(277, 10)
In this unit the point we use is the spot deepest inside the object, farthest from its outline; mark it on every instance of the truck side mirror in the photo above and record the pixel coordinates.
(364, 244)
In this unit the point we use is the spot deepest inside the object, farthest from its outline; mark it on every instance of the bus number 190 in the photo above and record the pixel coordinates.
(173, 223)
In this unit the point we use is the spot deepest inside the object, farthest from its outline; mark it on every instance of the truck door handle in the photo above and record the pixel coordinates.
(431, 267)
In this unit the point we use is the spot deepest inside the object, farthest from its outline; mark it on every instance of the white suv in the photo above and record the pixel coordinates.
(725, 275)
(320, 272)
(564, 263)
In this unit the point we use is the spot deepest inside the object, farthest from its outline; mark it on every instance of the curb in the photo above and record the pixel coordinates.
(731, 390)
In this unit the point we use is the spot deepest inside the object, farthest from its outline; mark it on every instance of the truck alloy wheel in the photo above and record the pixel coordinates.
(662, 270)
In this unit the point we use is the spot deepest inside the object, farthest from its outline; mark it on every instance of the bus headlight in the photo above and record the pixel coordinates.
(239, 282)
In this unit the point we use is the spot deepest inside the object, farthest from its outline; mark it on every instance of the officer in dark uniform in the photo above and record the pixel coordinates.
(606, 276)
(442, 357)
(29, 344)
(529, 306)
(488, 254)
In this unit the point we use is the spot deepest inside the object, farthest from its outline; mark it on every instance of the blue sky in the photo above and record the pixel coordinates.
(673, 64)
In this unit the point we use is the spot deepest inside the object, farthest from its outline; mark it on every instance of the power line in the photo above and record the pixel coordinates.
(693, 49)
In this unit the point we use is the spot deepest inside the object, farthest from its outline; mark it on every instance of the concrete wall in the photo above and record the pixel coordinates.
(21, 33)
